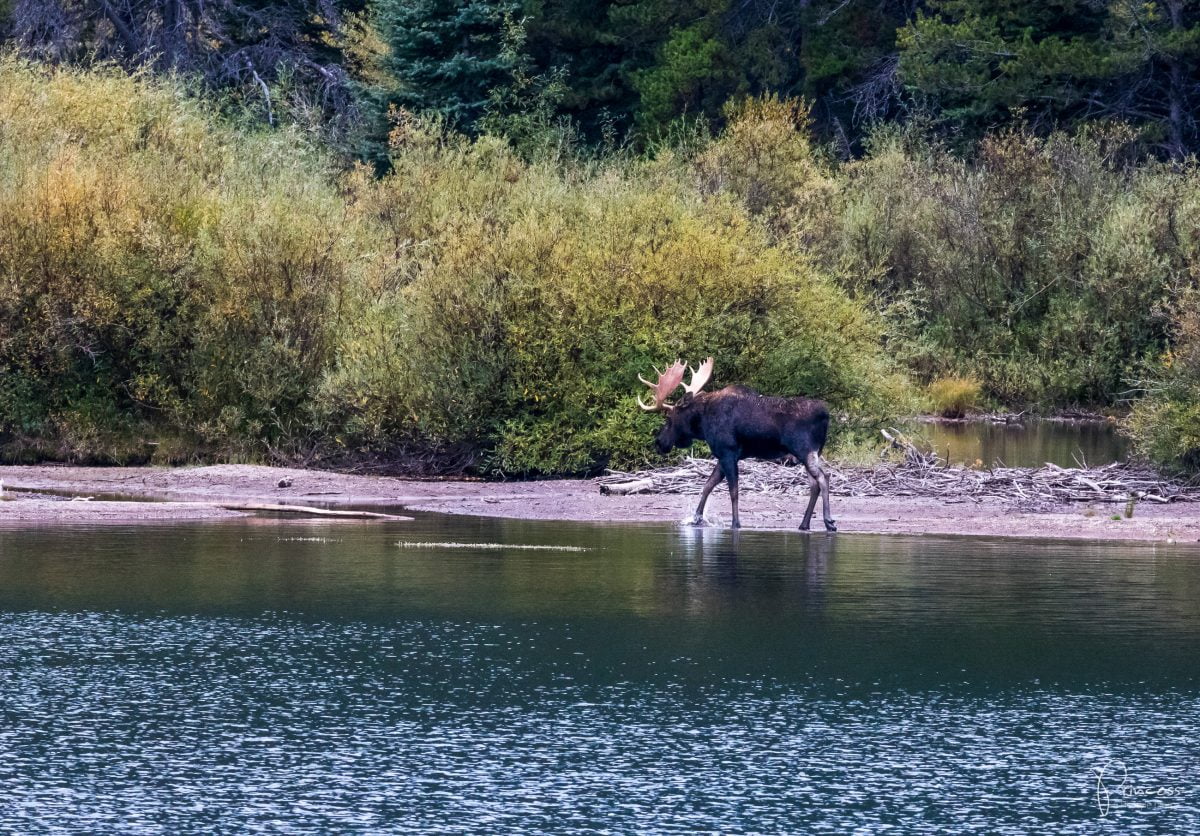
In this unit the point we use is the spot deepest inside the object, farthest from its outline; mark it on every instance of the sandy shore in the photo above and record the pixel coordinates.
(192, 493)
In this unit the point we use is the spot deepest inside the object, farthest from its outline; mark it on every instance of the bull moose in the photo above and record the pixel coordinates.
(737, 422)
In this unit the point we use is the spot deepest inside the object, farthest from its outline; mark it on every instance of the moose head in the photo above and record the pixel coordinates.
(679, 429)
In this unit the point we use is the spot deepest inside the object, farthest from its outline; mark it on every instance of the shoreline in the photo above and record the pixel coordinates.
(119, 496)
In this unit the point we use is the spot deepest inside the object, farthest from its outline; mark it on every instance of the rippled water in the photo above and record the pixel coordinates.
(1030, 443)
(317, 677)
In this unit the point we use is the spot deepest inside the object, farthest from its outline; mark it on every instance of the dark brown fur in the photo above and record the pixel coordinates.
(737, 423)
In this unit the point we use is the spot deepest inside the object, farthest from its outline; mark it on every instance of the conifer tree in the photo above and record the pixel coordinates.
(1059, 63)
(446, 55)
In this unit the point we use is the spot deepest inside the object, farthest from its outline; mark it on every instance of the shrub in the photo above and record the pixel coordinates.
(158, 269)
(1166, 428)
(953, 397)
(538, 293)
(1165, 424)
(167, 279)
(765, 158)
(1040, 266)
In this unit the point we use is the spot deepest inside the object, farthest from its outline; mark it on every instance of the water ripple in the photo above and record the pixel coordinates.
(118, 722)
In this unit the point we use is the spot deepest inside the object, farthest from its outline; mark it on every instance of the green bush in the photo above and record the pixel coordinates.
(953, 397)
(1166, 428)
(171, 283)
(766, 159)
(537, 293)
(158, 272)
(174, 287)
(1165, 424)
(1040, 267)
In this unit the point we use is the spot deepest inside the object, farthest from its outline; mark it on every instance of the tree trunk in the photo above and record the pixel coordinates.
(124, 32)
(1176, 89)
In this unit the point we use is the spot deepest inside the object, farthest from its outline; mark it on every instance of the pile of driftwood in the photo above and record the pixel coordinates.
(922, 474)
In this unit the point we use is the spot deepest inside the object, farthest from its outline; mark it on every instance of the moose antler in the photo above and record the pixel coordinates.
(700, 376)
(667, 381)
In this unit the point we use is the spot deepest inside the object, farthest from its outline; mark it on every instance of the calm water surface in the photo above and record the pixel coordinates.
(1031, 443)
(285, 677)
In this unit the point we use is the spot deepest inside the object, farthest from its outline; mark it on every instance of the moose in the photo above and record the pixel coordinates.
(737, 422)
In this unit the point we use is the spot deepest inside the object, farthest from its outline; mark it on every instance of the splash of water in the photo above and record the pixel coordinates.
(709, 519)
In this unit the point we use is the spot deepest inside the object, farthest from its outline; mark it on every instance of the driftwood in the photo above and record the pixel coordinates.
(308, 511)
(925, 475)
(301, 510)
(621, 488)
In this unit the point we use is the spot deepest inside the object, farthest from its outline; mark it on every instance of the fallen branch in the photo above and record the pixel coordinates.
(621, 488)
(307, 511)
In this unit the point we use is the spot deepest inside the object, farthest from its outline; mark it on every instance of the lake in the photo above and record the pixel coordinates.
(314, 677)
(1030, 443)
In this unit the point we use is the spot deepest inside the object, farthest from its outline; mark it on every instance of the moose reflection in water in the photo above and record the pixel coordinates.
(738, 422)
(714, 570)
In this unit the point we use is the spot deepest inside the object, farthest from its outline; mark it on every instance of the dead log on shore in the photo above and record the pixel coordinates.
(306, 510)
(924, 475)
(622, 488)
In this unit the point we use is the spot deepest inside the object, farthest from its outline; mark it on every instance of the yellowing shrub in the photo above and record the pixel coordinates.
(538, 293)
(164, 275)
(159, 271)
(954, 397)
(1041, 266)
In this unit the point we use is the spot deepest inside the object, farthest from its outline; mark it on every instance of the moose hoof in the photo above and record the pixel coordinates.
(696, 520)
(804, 526)
(829, 525)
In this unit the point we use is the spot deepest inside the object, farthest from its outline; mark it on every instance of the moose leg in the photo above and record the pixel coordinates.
(814, 490)
(729, 466)
(712, 482)
(813, 464)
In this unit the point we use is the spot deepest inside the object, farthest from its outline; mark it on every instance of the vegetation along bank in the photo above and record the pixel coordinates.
(179, 284)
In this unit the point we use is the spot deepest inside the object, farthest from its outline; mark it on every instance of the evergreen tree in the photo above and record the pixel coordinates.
(446, 55)
(1059, 63)
(625, 63)
(846, 56)
(1156, 78)
(696, 74)
(645, 63)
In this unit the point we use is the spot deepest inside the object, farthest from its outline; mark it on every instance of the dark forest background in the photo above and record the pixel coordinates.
(630, 72)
